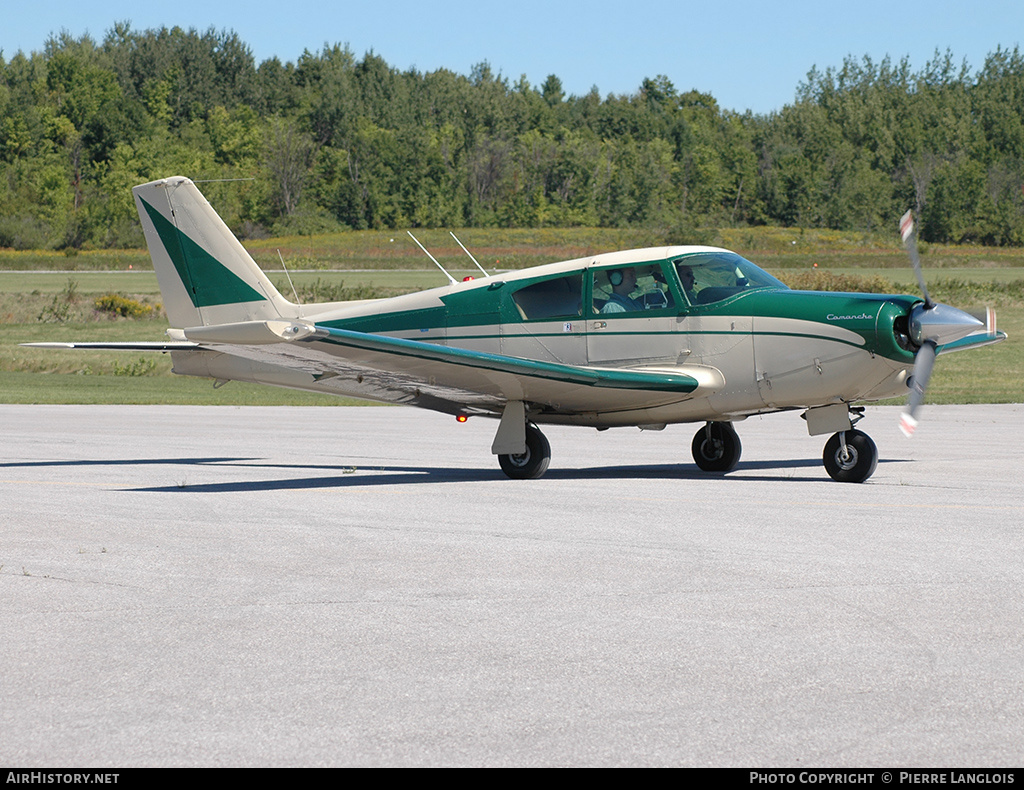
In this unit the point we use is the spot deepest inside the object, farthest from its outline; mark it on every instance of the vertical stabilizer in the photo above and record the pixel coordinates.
(206, 277)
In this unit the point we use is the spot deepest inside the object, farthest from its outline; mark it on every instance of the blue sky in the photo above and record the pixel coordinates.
(747, 54)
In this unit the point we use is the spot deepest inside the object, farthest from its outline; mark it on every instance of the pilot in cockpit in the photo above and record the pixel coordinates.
(686, 277)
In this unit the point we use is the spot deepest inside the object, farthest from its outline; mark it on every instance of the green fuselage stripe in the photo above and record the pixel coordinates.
(711, 332)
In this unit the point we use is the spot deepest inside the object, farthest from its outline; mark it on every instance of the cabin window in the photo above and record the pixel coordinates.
(559, 297)
(630, 289)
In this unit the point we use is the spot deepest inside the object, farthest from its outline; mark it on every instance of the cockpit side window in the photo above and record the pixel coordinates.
(630, 289)
(558, 297)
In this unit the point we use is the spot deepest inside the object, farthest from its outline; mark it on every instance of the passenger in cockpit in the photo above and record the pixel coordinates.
(623, 282)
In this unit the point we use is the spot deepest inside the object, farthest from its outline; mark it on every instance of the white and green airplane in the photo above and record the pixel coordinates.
(640, 338)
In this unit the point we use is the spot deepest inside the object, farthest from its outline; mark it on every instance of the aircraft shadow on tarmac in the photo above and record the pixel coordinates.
(125, 462)
(356, 476)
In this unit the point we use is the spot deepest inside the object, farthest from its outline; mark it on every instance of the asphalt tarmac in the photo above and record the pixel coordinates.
(218, 586)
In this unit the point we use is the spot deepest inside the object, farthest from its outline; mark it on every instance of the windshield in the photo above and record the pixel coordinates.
(713, 276)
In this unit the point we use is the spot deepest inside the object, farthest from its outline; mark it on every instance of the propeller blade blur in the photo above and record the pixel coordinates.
(923, 364)
(909, 235)
(986, 316)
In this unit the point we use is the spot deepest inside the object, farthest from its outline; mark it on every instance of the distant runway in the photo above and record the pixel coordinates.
(220, 586)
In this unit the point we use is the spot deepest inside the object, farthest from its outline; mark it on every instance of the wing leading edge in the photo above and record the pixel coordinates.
(652, 379)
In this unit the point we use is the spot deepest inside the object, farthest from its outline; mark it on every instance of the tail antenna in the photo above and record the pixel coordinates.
(286, 274)
(481, 268)
(439, 266)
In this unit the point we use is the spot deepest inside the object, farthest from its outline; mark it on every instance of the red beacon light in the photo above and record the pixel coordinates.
(467, 278)
(461, 417)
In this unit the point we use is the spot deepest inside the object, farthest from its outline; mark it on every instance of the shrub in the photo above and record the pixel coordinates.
(117, 305)
(59, 310)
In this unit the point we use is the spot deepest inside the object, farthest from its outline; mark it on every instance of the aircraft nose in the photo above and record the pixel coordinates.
(941, 324)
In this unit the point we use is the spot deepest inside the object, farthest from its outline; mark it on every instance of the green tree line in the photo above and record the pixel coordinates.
(333, 141)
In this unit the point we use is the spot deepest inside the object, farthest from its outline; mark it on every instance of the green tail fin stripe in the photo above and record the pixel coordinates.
(206, 279)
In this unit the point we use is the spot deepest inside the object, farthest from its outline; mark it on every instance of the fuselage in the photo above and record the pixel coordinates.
(690, 308)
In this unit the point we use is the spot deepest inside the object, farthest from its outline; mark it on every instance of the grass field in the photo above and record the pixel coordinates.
(49, 296)
(517, 248)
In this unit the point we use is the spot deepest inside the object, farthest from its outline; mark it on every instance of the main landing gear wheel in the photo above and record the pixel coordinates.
(852, 460)
(531, 464)
(716, 447)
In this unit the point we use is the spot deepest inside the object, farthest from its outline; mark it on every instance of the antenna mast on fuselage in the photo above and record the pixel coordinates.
(481, 268)
(451, 279)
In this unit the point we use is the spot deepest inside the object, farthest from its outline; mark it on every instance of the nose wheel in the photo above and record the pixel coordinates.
(850, 457)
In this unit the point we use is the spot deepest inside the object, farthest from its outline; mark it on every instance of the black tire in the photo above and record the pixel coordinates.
(719, 452)
(860, 462)
(531, 464)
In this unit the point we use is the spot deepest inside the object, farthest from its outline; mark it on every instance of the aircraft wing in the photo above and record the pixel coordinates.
(972, 341)
(430, 375)
(447, 378)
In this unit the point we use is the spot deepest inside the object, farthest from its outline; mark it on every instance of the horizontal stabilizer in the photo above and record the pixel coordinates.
(126, 346)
